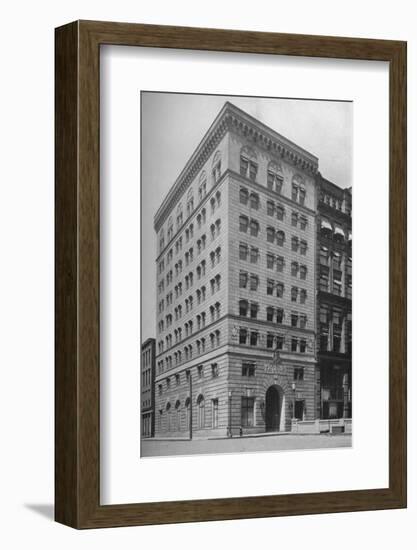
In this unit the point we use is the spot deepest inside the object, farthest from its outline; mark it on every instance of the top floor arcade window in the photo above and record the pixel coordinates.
(274, 180)
(216, 167)
(248, 163)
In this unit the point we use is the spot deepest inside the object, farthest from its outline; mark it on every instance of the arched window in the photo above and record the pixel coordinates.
(161, 240)
(202, 185)
(248, 163)
(201, 416)
(170, 228)
(216, 167)
(275, 178)
(190, 202)
(298, 191)
(179, 216)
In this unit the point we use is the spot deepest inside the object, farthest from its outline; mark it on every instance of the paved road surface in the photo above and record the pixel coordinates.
(239, 445)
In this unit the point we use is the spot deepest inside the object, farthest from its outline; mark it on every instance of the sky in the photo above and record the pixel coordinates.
(172, 125)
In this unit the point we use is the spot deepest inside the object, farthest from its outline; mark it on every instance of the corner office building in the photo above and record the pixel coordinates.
(236, 234)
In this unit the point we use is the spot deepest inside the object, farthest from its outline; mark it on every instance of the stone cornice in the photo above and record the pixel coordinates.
(231, 118)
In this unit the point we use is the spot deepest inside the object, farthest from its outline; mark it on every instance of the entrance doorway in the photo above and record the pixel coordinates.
(273, 405)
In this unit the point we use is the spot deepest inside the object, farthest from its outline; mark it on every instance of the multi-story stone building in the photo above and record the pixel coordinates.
(147, 388)
(334, 300)
(236, 286)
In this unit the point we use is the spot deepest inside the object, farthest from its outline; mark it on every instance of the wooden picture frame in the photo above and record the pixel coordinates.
(77, 382)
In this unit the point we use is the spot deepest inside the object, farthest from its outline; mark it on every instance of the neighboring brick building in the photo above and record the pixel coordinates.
(334, 300)
(147, 388)
(236, 259)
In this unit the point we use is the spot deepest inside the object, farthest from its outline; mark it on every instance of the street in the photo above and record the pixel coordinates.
(285, 442)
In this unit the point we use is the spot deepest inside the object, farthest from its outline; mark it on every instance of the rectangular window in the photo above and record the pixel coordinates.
(243, 252)
(280, 263)
(280, 212)
(243, 336)
(254, 253)
(303, 346)
(270, 208)
(280, 290)
(243, 196)
(248, 369)
(269, 340)
(298, 373)
(254, 310)
(244, 163)
(270, 261)
(243, 308)
(254, 201)
(243, 279)
(214, 370)
(254, 338)
(269, 313)
(280, 315)
(269, 287)
(294, 319)
(254, 228)
(270, 234)
(254, 282)
(247, 408)
(294, 344)
(280, 342)
(243, 224)
(294, 219)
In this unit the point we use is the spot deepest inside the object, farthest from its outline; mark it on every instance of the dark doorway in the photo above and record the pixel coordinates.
(272, 409)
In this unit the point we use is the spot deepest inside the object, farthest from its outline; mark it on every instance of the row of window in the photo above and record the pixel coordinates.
(251, 309)
(215, 203)
(215, 256)
(251, 226)
(273, 261)
(249, 337)
(252, 200)
(165, 344)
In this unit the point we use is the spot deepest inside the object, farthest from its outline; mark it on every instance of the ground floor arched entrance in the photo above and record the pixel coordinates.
(273, 408)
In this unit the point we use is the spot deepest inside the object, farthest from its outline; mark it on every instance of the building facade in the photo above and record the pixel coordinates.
(236, 286)
(147, 388)
(334, 301)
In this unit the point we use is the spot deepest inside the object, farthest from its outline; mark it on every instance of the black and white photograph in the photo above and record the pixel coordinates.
(246, 269)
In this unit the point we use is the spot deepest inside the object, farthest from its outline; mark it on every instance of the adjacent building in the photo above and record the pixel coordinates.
(147, 388)
(237, 252)
(334, 301)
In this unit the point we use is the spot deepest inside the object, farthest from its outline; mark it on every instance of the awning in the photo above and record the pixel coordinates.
(339, 231)
(326, 225)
